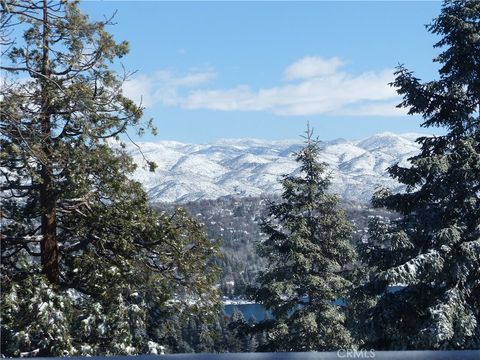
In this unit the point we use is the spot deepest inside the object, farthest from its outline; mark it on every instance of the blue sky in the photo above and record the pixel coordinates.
(209, 70)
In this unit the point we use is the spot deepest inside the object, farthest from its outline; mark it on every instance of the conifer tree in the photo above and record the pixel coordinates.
(83, 256)
(307, 253)
(433, 250)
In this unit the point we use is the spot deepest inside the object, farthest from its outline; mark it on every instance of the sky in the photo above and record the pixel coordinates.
(211, 70)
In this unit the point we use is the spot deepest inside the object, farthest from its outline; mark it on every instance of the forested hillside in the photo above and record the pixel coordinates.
(236, 222)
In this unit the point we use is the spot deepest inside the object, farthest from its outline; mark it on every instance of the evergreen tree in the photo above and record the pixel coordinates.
(307, 252)
(238, 339)
(83, 258)
(433, 250)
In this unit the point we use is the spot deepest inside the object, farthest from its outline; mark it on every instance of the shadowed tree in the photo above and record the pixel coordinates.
(83, 256)
(433, 250)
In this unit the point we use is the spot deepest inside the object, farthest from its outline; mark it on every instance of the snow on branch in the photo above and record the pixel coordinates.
(417, 270)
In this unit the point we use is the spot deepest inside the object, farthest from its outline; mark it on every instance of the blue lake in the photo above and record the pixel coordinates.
(249, 311)
(258, 312)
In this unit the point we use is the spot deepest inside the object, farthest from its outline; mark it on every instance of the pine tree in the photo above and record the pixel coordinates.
(307, 253)
(77, 233)
(433, 250)
(238, 339)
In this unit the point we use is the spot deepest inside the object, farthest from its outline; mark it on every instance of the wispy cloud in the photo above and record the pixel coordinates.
(314, 85)
(164, 86)
(312, 66)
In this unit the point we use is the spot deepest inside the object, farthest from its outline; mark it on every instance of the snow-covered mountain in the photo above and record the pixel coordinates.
(251, 167)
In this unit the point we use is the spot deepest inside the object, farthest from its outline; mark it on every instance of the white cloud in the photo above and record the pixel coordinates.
(312, 66)
(374, 109)
(163, 86)
(315, 86)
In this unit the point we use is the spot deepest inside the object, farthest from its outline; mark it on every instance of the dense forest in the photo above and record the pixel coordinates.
(90, 267)
(237, 223)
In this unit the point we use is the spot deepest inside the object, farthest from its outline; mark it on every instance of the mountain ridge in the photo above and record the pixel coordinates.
(253, 167)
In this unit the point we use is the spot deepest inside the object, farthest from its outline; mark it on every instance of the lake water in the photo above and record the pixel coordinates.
(249, 311)
(258, 312)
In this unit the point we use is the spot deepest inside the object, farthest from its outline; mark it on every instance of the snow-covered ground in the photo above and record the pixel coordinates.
(252, 167)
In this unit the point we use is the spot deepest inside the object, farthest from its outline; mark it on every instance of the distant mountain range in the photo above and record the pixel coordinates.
(252, 167)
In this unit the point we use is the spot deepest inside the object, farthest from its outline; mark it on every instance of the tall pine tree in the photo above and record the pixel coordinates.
(307, 253)
(83, 256)
(433, 250)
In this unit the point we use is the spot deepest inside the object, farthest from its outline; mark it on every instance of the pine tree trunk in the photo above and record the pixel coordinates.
(48, 246)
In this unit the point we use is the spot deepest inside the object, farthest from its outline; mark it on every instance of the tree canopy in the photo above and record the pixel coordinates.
(432, 252)
(84, 258)
(307, 253)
